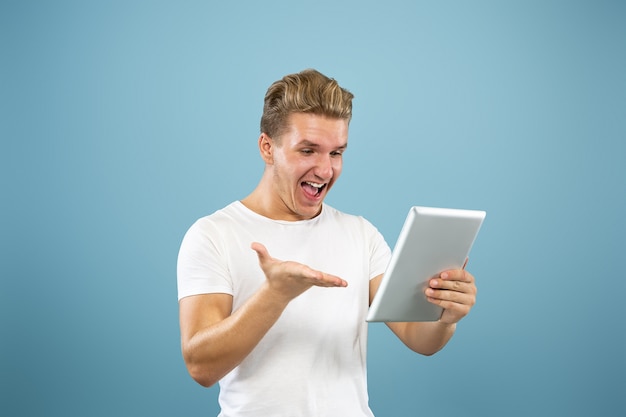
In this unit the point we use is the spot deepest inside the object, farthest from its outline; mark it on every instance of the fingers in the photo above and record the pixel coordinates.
(314, 277)
(260, 249)
(332, 281)
(455, 291)
(261, 252)
(439, 296)
(457, 275)
(295, 270)
(455, 280)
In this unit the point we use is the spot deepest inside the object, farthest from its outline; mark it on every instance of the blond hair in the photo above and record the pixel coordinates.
(308, 91)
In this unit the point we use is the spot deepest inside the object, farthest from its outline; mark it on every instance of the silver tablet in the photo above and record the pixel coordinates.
(431, 241)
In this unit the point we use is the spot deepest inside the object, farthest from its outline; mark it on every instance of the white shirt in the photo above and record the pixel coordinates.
(312, 362)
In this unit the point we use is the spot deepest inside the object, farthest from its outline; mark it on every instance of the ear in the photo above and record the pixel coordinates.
(266, 148)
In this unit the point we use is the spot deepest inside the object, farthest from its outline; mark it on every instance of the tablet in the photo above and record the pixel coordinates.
(431, 241)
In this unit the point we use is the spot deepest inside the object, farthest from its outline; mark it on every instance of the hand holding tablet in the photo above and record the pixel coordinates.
(431, 241)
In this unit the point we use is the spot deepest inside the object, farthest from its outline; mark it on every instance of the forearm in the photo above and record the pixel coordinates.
(426, 338)
(214, 351)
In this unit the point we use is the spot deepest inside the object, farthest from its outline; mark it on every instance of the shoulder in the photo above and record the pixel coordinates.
(332, 213)
(228, 214)
(353, 222)
(210, 226)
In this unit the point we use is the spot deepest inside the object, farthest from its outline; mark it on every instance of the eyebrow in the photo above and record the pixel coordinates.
(310, 144)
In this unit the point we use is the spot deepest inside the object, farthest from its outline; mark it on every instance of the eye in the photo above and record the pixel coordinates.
(336, 153)
(306, 151)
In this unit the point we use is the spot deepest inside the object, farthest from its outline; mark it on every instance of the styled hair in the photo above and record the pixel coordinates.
(308, 91)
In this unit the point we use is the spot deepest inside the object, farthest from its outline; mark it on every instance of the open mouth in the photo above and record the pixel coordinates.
(312, 189)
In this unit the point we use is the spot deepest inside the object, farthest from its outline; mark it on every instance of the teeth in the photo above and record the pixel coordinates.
(314, 184)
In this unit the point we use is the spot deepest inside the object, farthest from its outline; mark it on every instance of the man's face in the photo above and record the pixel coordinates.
(307, 160)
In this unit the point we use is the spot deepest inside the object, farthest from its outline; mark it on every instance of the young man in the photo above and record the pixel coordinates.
(274, 289)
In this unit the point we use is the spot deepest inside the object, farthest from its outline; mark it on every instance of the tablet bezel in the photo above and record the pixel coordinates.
(431, 241)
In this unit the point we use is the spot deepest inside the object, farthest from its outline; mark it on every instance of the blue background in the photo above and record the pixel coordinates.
(124, 121)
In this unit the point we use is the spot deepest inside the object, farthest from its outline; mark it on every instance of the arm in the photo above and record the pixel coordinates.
(215, 340)
(455, 291)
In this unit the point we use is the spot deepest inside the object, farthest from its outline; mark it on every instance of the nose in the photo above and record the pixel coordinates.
(324, 168)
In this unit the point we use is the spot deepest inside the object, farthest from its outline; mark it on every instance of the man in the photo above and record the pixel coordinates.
(274, 289)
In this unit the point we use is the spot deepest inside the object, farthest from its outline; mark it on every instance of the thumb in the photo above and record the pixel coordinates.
(261, 252)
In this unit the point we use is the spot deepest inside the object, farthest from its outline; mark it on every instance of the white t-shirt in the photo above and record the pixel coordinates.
(312, 362)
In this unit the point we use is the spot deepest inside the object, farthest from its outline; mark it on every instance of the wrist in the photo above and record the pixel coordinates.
(446, 326)
(271, 296)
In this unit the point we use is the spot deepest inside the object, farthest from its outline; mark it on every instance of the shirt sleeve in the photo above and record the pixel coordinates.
(380, 253)
(202, 266)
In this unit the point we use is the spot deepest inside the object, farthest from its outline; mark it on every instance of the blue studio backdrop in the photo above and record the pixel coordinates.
(122, 122)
